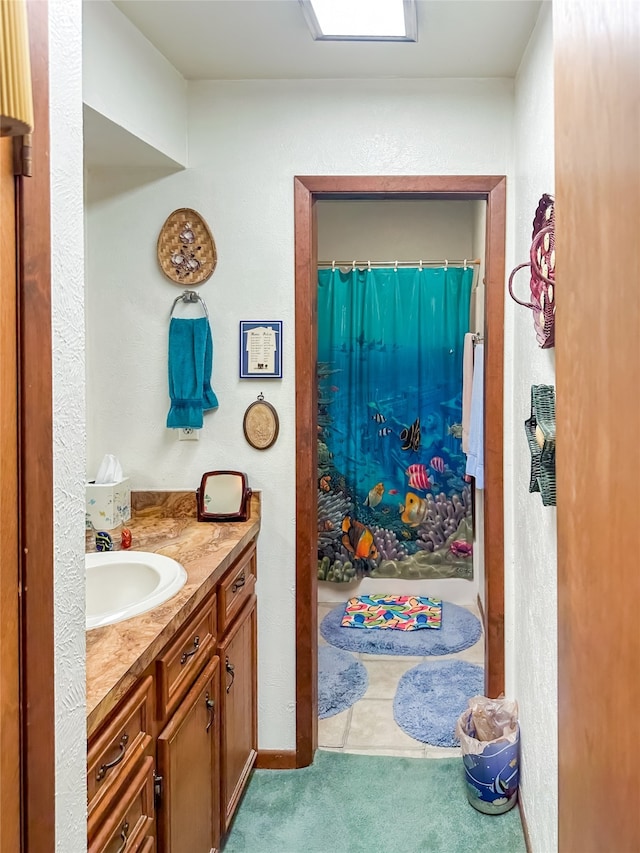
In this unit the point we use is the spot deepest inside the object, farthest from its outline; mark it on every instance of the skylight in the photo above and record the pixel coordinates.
(361, 20)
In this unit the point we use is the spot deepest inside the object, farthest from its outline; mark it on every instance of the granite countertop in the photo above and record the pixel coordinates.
(165, 523)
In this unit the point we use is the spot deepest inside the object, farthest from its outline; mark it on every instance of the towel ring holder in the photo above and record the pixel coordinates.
(189, 296)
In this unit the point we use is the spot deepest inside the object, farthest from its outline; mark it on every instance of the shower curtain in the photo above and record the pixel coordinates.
(392, 495)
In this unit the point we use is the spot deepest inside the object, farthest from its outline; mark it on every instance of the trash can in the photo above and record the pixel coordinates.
(489, 736)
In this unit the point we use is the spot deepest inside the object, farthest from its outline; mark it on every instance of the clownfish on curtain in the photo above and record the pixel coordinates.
(393, 497)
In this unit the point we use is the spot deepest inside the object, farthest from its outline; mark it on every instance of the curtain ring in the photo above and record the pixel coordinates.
(369, 263)
(446, 264)
(420, 267)
(395, 268)
(353, 266)
(333, 266)
(465, 263)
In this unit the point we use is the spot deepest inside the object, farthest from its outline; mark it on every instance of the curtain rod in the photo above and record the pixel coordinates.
(395, 264)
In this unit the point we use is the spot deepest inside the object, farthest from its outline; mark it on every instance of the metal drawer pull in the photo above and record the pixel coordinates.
(231, 670)
(239, 583)
(211, 708)
(124, 832)
(104, 768)
(186, 655)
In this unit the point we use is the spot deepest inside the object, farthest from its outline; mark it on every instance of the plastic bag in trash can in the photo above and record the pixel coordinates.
(490, 739)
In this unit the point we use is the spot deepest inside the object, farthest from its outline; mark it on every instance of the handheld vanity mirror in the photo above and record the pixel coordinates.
(223, 496)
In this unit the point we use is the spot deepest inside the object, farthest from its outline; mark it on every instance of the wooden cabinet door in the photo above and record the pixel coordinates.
(188, 815)
(239, 707)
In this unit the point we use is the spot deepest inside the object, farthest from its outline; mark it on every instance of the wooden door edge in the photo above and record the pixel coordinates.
(10, 713)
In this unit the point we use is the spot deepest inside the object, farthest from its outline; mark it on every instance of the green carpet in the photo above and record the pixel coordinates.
(352, 803)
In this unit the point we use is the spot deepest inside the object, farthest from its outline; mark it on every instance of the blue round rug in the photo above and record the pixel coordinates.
(342, 680)
(460, 629)
(430, 698)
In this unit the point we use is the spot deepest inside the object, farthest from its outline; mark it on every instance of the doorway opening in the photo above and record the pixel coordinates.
(309, 190)
(392, 445)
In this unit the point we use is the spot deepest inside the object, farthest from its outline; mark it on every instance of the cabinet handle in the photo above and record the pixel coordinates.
(157, 789)
(124, 832)
(186, 655)
(231, 670)
(104, 768)
(211, 708)
(239, 583)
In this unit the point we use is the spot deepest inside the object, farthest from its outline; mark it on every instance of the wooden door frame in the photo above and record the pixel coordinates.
(10, 721)
(35, 529)
(308, 190)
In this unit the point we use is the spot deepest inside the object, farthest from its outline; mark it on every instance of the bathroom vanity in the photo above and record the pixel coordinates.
(171, 694)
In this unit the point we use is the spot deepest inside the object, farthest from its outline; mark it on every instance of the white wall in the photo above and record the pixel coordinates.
(247, 139)
(67, 291)
(394, 230)
(128, 81)
(479, 213)
(479, 241)
(530, 527)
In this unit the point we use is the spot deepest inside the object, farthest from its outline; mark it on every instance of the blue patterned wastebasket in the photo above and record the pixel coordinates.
(491, 768)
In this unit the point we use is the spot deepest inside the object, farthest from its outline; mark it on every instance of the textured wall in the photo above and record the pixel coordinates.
(128, 80)
(67, 286)
(533, 593)
(247, 139)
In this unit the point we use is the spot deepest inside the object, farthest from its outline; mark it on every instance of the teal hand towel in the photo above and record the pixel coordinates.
(209, 399)
(190, 363)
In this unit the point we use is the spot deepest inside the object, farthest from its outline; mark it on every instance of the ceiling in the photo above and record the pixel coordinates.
(269, 39)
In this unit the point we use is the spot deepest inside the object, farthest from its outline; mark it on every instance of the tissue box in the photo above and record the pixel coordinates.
(109, 505)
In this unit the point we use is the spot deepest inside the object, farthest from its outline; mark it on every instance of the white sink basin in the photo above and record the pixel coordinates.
(122, 584)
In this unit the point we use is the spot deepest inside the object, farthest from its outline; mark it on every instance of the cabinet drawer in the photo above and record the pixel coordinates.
(119, 744)
(236, 588)
(129, 826)
(181, 662)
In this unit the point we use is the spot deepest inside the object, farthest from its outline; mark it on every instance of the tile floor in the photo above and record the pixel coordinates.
(368, 727)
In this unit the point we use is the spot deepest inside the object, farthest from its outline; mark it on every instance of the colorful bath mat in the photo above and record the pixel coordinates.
(460, 630)
(395, 612)
(342, 680)
(431, 696)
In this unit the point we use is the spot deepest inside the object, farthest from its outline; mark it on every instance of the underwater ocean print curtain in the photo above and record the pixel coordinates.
(392, 498)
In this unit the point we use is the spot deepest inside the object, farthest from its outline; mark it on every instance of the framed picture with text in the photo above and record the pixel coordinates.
(260, 349)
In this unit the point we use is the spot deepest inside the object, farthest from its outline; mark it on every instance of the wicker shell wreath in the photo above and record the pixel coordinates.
(542, 261)
(186, 248)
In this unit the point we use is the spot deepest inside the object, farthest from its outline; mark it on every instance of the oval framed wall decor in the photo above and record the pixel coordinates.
(261, 424)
